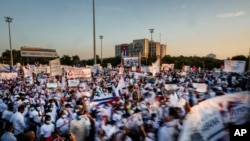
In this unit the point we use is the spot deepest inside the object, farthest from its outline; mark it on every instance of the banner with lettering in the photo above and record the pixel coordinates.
(55, 67)
(234, 66)
(51, 85)
(74, 73)
(73, 83)
(207, 121)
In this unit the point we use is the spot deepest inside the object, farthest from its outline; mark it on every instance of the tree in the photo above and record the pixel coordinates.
(66, 60)
(16, 56)
(75, 59)
(239, 58)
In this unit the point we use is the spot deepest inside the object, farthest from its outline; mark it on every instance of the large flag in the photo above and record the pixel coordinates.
(124, 50)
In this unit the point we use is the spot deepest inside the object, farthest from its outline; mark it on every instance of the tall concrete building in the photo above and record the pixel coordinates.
(142, 46)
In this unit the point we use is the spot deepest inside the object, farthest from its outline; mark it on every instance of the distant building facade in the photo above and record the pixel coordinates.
(37, 54)
(143, 46)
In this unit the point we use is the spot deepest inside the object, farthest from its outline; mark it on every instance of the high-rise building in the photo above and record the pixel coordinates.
(142, 46)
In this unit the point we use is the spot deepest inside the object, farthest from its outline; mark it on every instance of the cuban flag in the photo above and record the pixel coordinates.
(124, 50)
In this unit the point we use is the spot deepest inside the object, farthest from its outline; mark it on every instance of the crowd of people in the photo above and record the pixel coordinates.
(142, 110)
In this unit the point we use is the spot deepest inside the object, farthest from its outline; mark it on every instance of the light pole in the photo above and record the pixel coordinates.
(151, 31)
(101, 37)
(94, 31)
(9, 20)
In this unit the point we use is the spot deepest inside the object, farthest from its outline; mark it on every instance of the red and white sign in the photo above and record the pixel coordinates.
(79, 73)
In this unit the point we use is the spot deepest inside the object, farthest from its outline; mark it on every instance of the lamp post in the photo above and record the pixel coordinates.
(101, 37)
(9, 20)
(94, 31)
(151, 44)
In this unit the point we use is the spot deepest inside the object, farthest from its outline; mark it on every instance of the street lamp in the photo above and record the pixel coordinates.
(101, 37)
(94, 31)
(151, 31)
(9, 20)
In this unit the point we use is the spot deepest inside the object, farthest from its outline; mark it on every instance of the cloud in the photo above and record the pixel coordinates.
(112, 8)
(183, 6)
(230, 15)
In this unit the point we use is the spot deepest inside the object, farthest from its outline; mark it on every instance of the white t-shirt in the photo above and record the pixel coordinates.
(7, 114)
(47, 130)
(63, 125)
(35, 115)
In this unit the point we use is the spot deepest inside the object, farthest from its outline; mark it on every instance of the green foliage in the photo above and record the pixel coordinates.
(239, 58)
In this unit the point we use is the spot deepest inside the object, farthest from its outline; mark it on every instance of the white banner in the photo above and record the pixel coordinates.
(55, 67)
(200, 87)
(131, 61)
(212, 116)
(86, 72)
(109, 66)
(73, 83)
(133, 68)
(8, 75)
(234, 66)
(171, 87)
(186, 68)
(51, 85)
(167, 67)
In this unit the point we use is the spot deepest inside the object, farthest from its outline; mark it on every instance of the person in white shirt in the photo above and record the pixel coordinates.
(18, 122)
(3, 106)
(62, 124)
(7, 114)
(47, 128)
(78, 126)
(8, 135)
(170, 129)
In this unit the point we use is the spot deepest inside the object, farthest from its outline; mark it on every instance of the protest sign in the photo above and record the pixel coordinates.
(210, 122)
(73, 83)
(51, 85)
(234, 66)
(55, 67)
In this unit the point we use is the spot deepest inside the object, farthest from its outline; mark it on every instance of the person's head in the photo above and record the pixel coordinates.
(21, 108)
(10, 106)
(47, 119)
(62, 115)
(9, 127)
(29, 136)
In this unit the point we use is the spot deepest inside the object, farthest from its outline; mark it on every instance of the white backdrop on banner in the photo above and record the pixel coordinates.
(207, 122)
(234, 66)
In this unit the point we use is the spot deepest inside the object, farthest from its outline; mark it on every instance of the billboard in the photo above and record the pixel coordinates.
(131, 61)
(38, 54)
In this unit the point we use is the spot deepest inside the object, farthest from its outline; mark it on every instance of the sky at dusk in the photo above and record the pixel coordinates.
(188, 27)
